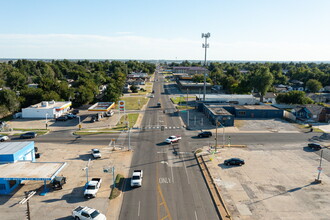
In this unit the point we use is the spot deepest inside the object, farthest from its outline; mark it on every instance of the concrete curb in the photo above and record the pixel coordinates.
(213, 189)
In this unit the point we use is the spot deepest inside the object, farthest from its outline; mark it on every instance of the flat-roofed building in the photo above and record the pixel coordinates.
(46, 109)
(17, 163)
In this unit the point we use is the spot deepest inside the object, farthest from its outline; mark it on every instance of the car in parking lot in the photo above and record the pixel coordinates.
(75, 111)
(62, 118)
(71, 116)
(28, 135)
(3, 138)
(234, 161)
(315, 146)
(205, 134)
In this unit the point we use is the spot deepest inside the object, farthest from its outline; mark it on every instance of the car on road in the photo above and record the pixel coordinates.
(315, 146)
(84, 212)
(234, 161)
(205, 134)
(3, 138)
(28, 135)
(136, 180)
(159, 105)
(62, 118)
(173, 139)
(152, 96)
(96, 153)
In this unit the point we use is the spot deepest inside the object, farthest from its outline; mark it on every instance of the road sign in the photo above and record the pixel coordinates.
(319, 169)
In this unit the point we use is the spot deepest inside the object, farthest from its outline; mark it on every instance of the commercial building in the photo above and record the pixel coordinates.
(216, 113)
(17, 163)
(226, 114)
(229, 99)
(46, 109)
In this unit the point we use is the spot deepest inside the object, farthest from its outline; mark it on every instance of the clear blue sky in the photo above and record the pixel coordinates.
(270, 30)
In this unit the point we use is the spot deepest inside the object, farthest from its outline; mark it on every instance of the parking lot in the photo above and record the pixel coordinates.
(85, 120)
(60, 203)
(273, 184)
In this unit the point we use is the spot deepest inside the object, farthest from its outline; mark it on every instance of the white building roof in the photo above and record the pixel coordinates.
(22, 170)
(50, 105)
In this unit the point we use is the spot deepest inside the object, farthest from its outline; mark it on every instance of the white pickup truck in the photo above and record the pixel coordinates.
(173, 139)
(96, 153)
(137, 177)
(83, 213)
(92, 187)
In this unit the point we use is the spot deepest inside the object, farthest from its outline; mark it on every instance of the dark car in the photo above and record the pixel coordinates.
(315, 146)
(234, 161)
(58, 182)
(62, 118)
(205, 134)
(159, 105)
(75, 111)
(71, 116)
(93, 119)
(28, 135)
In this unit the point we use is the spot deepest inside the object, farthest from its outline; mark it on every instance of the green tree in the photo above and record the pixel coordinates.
(31, 96)
(84, 95)
(199, 78)
(134, 89)
(9, 99)
(293, 97)
(313, 85)
(52, 95)
(262, 80)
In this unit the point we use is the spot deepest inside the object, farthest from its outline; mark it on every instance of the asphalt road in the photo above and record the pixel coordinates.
(173, 186)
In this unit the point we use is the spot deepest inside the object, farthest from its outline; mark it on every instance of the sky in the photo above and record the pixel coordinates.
(241, 30)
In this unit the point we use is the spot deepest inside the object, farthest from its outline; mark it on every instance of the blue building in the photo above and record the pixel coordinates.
(17, 163)
(11, 152)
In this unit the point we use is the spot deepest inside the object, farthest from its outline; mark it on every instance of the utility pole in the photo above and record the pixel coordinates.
(206, 45)
(319, 168)
(216, 134)
(28, 196)
(187, 100)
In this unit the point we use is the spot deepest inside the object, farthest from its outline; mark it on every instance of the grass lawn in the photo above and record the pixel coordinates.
(132, 103)
(115, 192)
(131, 119)
(182, 107)
(179, 99)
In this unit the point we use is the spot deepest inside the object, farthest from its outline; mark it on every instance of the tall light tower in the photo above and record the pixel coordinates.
(206, 45)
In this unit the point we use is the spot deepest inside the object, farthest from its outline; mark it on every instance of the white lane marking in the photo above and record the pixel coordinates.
(162, 152)
(139, 209)
(172, 174)
(164, 180)
(185, 168)
(196, 215)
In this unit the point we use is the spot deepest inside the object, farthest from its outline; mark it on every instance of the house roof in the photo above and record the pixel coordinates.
(313, 109)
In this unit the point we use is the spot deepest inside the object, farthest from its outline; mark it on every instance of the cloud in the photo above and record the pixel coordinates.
(129, 46)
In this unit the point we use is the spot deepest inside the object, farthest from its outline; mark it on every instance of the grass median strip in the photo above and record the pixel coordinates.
(115, 192)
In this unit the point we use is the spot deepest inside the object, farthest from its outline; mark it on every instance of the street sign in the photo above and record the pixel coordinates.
(319, 169)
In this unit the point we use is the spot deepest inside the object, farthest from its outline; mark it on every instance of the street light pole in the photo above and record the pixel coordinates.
(206, 45)
(46, 121)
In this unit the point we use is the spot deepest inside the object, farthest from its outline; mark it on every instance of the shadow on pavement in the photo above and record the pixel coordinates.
(84, 157)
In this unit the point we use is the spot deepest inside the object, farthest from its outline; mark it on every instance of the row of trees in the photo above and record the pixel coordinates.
(243, 78)
(60, 80)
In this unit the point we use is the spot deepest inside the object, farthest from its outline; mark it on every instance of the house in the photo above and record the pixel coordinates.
(269, 97)
(312, 113)
(325, 89)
